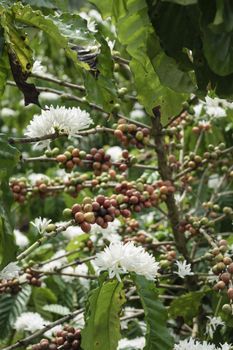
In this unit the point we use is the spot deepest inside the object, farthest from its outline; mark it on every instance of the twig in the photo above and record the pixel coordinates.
(171, 286)
(56, 135)
(53, 136)
(59, 82)
(53, 159)
(63, 256)
(56, 272)
(208, 238)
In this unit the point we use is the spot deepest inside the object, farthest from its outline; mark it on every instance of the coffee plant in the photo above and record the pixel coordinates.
(116, 175)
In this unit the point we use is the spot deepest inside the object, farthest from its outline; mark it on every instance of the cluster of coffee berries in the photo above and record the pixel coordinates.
(193, 224)
(213, 210)
(140, 238)
(131, 134)
(100, 211)
(163, 189)
(168, 257)
(68, 339)
(104, 179)
(10, 286)
(19, 189)
(213, 153)
(222, 267)
(192, 161)
(134, 198)
(130, 226)
(202, 126)
(33, 277)
(99, 160)
(71, 158)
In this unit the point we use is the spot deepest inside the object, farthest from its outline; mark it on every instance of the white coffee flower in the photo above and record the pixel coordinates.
(193, 344)
(137, 343)
(119, 258)
(10, 271)
(184, 269)
(41, 224)
(213, 107)
(110, 259)
(61, 119)
(20, 239)
(213, 324)
(29, 321)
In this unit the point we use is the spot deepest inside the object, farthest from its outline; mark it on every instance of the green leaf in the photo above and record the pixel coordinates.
(136, 32)
(102, 330)
(186, 305)
(157, 336)
(26, 15)
(11, 306)
(17, 42)
(171, 76)
(74, 29)
(41, 297)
